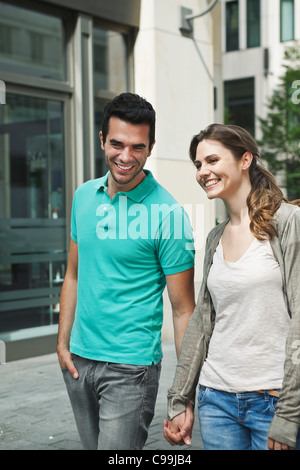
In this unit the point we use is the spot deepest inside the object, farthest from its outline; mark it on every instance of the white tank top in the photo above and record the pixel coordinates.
(247, 348)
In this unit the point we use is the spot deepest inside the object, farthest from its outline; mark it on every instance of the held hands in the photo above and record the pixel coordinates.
(274, 445)
(178, 431)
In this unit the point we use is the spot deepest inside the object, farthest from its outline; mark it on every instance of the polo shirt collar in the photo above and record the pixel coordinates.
(138, 193)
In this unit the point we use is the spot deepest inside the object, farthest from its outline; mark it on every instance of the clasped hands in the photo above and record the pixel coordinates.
(178, 431)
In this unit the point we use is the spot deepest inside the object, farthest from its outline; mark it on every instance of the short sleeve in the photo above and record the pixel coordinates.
(175, 244)
(73, 220)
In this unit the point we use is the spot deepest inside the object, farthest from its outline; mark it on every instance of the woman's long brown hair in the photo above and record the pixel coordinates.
(265, 196)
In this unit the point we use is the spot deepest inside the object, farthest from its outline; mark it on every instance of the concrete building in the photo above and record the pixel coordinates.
(254, 36)
(250, 37)
(61, 61)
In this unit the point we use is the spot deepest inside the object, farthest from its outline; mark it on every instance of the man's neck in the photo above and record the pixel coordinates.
(113, 187)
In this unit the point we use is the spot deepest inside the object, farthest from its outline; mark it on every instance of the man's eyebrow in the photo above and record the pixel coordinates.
(141, 145)
(117, 142)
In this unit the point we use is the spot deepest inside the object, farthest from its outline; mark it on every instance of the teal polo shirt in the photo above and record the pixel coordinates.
(126, 247)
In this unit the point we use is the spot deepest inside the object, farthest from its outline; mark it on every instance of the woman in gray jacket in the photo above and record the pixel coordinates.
(242, 344)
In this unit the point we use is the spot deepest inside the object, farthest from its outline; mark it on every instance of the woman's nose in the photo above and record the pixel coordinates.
(204, 171)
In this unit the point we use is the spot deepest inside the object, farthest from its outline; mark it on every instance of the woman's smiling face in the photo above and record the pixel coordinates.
(219, 173)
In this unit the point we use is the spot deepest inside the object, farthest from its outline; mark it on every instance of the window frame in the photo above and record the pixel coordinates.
(250, 24)
(230, 43)
(282, 26)
(241, 101)
(65, 86)
(36, 300)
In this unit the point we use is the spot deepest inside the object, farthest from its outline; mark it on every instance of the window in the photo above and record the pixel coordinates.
(33, 252)
(287, 20)
(100, 165)
(32, 43)
(110, 56)
(110, 60)
(32, 211)
(239, 103)
(39, 167)
(232, 26)
(253, 23)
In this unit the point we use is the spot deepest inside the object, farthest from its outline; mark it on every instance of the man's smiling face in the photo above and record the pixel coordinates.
(126, 151)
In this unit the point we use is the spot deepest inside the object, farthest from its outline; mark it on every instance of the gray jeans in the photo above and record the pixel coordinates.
(113, 404)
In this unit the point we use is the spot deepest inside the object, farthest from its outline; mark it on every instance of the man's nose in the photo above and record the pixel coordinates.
(125, 154)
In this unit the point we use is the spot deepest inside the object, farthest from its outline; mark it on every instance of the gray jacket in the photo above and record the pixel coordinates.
(286, 249)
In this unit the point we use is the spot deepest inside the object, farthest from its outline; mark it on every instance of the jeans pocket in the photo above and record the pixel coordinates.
(127, 368)
(271, 405)
(128, 373)
(203, 391)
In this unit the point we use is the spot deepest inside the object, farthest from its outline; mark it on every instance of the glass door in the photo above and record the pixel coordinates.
(32, 213)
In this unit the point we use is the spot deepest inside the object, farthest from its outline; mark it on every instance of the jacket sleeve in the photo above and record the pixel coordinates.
(285, 424)
(192, 355)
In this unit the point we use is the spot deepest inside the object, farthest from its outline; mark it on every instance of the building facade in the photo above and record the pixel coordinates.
(250, 37)
(254, 36)
(61, 61)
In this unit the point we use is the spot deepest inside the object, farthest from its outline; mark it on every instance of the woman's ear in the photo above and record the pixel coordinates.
(246, 160)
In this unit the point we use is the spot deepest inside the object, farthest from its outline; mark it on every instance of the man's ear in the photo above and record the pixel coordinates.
(101, 140)
(151, 148)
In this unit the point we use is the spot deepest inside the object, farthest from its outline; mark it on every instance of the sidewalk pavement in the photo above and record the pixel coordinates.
(35, 412)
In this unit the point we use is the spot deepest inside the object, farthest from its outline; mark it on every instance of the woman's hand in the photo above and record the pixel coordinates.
(275, 445)
(178, 431)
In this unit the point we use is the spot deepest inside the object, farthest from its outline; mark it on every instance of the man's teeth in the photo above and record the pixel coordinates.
(124, 167)
(211, 182)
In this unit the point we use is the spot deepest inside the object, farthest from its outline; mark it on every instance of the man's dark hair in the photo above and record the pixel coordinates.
(130, 108)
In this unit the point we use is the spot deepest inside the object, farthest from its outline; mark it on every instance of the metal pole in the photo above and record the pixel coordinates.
(208, 9)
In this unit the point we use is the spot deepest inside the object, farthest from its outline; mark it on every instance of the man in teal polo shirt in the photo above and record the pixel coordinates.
(129, 239)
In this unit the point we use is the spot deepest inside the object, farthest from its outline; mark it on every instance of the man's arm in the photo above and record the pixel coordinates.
(182, 297)
(68, 299)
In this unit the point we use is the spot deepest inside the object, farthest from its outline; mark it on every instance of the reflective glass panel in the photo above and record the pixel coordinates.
(32, 43)
(239, 103)
(100, 165)
(287, 20)
(253, 23)
(32, 211)
(110, 60)
(232, 26)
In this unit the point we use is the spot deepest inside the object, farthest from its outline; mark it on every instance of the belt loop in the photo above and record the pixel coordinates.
(266, 395)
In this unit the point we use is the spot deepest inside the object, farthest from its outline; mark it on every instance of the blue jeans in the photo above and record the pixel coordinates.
(113, 404)
(235, 421)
